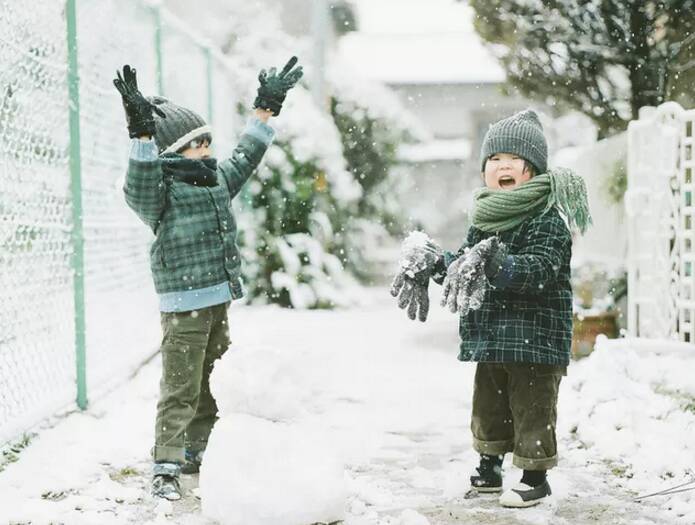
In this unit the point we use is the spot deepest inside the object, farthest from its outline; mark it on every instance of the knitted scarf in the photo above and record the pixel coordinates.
(502, 210)
(198, 172)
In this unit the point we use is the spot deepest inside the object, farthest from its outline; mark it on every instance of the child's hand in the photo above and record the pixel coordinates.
(274, 86)
(466, 281)
(419, 257)
(138, 110)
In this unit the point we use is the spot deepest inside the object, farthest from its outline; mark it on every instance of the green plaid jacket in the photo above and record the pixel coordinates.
(526, 316)
(195, 245)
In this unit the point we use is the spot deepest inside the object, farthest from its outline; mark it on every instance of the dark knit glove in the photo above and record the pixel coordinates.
(138, 110)
(411, 283)
(274, 86)
(468, 277)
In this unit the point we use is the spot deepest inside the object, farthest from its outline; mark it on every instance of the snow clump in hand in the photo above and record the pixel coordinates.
(418, 252)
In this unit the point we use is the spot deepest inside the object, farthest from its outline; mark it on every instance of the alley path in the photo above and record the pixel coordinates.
(391, 392)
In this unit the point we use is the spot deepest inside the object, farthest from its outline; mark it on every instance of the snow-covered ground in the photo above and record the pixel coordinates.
(387, 398)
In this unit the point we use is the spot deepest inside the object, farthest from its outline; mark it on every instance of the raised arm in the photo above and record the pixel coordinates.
(144, 187)
(258, 134)
(245, 158)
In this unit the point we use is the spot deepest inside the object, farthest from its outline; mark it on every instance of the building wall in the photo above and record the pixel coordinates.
(441, 192)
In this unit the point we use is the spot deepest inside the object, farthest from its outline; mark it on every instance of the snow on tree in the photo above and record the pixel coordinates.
(604, 58)
(325, 195)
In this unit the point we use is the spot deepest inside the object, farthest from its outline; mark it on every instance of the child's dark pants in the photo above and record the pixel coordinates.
(515, 410)
(186, 410)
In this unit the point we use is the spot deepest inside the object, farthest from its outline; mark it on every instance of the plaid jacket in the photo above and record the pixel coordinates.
(195, 245)
(526, 316)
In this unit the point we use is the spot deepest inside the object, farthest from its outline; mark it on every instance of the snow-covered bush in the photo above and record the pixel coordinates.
(372, 124)
(325, 197)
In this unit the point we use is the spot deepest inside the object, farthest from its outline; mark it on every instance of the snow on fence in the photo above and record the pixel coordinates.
(77, 311)
(660, 212)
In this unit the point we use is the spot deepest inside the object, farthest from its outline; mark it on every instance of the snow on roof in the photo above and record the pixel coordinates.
(411, 41)
(441, 149)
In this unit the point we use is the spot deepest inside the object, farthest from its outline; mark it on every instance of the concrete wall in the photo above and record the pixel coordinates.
(606, 241)
(441, 192)
(458, 110)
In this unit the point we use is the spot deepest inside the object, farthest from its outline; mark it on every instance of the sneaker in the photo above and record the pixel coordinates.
(165, 481)
(488, 479)
(193, 462)
(523, 495)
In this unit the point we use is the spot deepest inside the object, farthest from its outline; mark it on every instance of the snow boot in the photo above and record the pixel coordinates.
(165, 481)
(523, 495)
(193, 462)
(489, 477)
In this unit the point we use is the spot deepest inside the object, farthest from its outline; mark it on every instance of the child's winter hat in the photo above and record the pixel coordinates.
(180, 126)
(521, 134)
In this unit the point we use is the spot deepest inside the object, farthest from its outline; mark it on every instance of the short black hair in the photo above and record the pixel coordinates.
(530, 168)
(205, 137)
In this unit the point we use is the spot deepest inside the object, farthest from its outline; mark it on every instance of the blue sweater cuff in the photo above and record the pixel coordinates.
(259, 130)
(143, 150)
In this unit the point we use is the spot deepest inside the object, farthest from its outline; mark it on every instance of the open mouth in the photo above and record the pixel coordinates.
(506, 181)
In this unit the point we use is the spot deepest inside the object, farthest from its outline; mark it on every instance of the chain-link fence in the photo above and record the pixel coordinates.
(73, 257)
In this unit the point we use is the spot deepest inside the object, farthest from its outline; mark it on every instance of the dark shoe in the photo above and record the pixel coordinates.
(524, 495)
(165, 481)
(193, 462)
(489, 478)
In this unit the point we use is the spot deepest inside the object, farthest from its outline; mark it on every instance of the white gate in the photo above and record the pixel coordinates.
(660, 216)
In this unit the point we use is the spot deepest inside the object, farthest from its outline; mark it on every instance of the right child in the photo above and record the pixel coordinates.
(510, 282)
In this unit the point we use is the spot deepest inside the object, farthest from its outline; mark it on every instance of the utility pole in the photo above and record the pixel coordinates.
(320, 27)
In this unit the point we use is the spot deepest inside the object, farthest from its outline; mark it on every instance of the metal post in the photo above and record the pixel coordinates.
(320, 20)
(158, 49)
(208, 71)
(76, 193)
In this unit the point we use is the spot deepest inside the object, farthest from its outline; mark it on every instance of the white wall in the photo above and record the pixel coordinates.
(606, 240)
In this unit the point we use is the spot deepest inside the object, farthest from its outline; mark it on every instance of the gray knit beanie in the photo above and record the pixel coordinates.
(521, 134)
(180, 126)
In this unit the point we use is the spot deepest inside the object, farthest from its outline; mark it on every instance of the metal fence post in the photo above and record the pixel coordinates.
(76, 195)
(157, 11)
(208, 72)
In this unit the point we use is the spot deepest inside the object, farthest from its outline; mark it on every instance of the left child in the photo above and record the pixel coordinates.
(180, 191)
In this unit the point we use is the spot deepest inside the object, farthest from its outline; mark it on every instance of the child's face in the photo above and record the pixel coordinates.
(504, 171)
(198, 151)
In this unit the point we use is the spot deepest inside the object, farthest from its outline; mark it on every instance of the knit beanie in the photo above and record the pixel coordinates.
(180, 126)
(521, 134)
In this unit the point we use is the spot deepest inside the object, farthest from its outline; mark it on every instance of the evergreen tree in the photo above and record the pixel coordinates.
(604, 58)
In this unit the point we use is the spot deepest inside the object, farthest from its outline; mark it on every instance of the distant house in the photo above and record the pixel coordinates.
(439, 67)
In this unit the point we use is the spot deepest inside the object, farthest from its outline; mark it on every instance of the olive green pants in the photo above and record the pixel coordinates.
(515, 410)
(186, 410)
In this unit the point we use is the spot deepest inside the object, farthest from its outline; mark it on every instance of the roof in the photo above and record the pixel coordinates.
(417, 42)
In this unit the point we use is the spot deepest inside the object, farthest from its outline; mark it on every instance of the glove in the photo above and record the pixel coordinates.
(274, 87)
(467, 277)
(138, 110)
(412, 280)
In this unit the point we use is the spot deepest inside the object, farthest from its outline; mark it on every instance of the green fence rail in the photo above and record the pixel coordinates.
(78, 311)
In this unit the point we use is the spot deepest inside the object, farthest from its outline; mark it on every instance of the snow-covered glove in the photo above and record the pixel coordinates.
(274, 86)
(420, 258)
(138, 110)
(467, 277)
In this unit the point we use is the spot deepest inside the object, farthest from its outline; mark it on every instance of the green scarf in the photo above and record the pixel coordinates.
(502, 210)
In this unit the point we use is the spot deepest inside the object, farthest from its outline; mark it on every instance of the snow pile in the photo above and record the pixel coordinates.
(632, 403)
(270, 473)
(264, 461)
